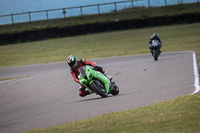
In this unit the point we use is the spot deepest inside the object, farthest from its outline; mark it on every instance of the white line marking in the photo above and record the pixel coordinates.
(5, 81)
(196, 74)
(23, 78)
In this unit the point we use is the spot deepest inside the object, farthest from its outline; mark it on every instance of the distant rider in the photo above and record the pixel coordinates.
(75, 64)
(154, 37)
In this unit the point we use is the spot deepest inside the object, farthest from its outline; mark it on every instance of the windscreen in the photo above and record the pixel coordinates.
(82, 71)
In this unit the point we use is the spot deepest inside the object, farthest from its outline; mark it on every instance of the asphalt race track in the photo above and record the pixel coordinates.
(49, 96)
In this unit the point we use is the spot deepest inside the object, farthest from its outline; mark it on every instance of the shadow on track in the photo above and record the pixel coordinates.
(92, 99)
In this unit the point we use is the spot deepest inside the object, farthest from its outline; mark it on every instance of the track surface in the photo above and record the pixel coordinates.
(50, 96)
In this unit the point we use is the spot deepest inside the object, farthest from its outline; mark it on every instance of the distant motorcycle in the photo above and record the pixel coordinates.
(155, 49)
(97, 82)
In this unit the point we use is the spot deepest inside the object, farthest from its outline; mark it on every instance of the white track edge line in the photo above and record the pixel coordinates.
(196, 75)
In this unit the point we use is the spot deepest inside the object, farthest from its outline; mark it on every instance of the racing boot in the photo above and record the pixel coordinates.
(90, 92)
(159, 50)
(109, 77)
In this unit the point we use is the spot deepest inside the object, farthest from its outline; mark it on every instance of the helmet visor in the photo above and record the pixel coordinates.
(73, 64)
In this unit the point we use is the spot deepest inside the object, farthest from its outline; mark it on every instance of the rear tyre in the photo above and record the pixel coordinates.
(115, 91)
(99, 88)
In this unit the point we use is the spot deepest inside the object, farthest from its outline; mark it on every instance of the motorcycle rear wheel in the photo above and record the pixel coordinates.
(115, 91)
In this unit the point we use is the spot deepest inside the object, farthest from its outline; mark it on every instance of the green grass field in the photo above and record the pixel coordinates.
(183, 37)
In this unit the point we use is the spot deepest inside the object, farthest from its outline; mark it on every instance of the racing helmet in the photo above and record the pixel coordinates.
(72, 61)
(155, 34)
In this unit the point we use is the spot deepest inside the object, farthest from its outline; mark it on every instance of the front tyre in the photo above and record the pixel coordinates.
(99, 88)
(155, 54)
(155, 58)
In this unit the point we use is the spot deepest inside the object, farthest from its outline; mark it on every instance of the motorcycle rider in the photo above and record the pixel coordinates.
(75, 64)
(154, 37)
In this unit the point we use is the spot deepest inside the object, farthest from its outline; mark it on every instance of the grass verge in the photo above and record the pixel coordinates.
(183, 37)
(181, 115)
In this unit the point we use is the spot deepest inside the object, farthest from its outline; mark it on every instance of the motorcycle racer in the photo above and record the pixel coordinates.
(75, 64)
(154, 37)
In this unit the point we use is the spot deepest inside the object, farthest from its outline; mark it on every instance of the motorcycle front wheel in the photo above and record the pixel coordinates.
(155, 54)
(99, 88)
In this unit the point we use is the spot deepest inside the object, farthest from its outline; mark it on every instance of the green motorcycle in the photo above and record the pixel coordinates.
(97, 82)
